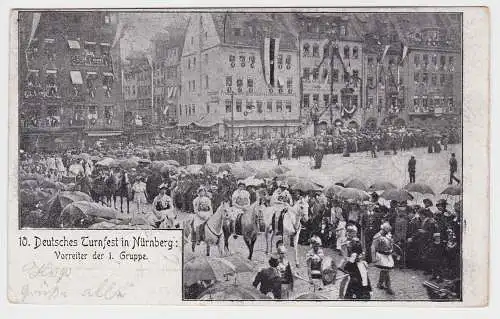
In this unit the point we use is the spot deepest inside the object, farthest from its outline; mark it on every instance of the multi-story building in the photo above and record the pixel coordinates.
(412, 68)
(167, 50)
(69, 78)
(239, 76)
(331, 66)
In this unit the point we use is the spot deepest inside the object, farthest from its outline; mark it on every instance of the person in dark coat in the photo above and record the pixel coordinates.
(359, 286)
(370, 225)
(453, 169)
(269, 279)
(411, 168)
(318, 158)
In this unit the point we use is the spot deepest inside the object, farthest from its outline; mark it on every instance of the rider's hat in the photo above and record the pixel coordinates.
(201, 188)
(162, 186)
(241, 183)
(283, 184)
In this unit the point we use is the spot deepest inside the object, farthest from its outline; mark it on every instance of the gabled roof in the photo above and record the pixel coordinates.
(254, 27)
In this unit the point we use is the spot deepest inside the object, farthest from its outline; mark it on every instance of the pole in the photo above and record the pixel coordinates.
(152, 94)
(232, 117)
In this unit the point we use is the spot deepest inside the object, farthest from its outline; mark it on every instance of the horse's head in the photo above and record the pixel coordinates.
(302, 211)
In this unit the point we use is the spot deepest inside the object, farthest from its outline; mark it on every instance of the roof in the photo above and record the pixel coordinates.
(253, 28)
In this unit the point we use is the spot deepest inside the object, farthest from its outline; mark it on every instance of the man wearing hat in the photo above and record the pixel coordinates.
(370, 225)
(314, 258)
(453, 169)
(202, 206)
(412, 163)
(382, 248)
(281, 198)
(285, 269)
(443, 216)
(269, 279)
(241, 197)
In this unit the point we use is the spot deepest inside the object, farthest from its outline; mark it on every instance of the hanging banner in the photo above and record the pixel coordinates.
(34, 26)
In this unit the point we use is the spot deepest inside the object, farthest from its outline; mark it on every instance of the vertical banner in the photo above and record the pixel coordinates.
(34, 26)
(266, 61)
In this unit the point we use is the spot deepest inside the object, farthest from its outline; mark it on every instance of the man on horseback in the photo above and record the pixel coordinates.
(202, 206)
(282, 199)
(241, 197)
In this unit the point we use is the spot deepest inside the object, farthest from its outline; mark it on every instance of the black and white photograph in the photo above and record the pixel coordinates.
(304, 154)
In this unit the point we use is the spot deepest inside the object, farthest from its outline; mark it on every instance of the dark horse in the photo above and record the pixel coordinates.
(124, 190)
(104, 188)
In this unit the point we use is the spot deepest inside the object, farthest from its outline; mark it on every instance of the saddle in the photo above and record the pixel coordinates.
(279, 224)
(237, 225)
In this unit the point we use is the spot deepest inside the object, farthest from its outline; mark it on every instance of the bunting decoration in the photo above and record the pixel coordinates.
(404, 53)
(386, 48)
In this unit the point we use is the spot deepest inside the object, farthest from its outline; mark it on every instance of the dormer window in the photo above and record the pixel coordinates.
(237, 32)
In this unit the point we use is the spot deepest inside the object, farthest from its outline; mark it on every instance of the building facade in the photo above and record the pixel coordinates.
(69, 78)
(228, 88)
(331, 66)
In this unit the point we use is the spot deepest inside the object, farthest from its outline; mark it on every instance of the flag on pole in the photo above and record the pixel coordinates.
(326, 79)
(150, 60)
(271, 49)
(385, 52)
(34, 26)
(165, 110)
(403, 54)
(170, 91)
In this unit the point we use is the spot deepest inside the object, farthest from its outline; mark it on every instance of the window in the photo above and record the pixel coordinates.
(369, 81)
(305, 102)
(326, 99)
(434, 60)
(279, 106)
(370, 101)
(450, 78)
(206, 35)
(289, 85)
(307, 74)
(237, 32)
(346, 52)
(194, 85)
(354, 100)
(251, 60)
(335, 75)
(424, 101)
(315, 74)
(229, 81)
(206, 58)
(250, 85)
(442, 61)
(441, 79)
(269, 106)
(426, 60)
(180, 109)
(326, 51)
(242, 61)
(192, 40)
(315, 50)
(346, 77)
(450, 102)
(306, 49)
(288, 62)
(391, 61)
(229, 106)
(343, 31)
(315, 100)
(451, 60)
(288, 106)
(259, 106)
(324, 76)
(416, 101)
(194, 62)
(416, 77)
(280, 61)
(355, 74)
(232, 60)
(194, 108)
(189, 63)
(425, 78)
(355, 52)
(206, 81)
(239, 85)
(370, 61)
(434, 79)
(238, 105)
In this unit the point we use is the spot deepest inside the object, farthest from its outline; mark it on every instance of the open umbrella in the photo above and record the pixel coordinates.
(240, 263)
(30, 197)
(225, 167)
(231, 292)
(168, 169)
(353, 194)
(281, 170)
(173, 162)
(47, 183)
(397, 195)
(355, 183)
(105, 162)
(194, 168)
(419, 188)
(381, 186)
(266, 174)
(311, 296)
(305, 186)
(202, 268)
(453, 190)
(332, 190)
(79, 214)
(128, 163)
(144, 161)
(135, 158)
(251, 181)
(209, 168)
(76, 169)
(241, 173)
(83, 156)
(29, 184)
(56, 204)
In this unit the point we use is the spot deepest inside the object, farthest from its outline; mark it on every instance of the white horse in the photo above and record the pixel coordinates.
(293, 215)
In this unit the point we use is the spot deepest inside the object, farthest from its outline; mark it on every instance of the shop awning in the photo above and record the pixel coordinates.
(49, 40)
(90, 43)
(104, 44)
(91, 74)
(51, 71)
(104, 133)
(76, 77)
(73, 44)
(107, 74)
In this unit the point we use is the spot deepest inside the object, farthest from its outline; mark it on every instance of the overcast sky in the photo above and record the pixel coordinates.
(145, 26)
